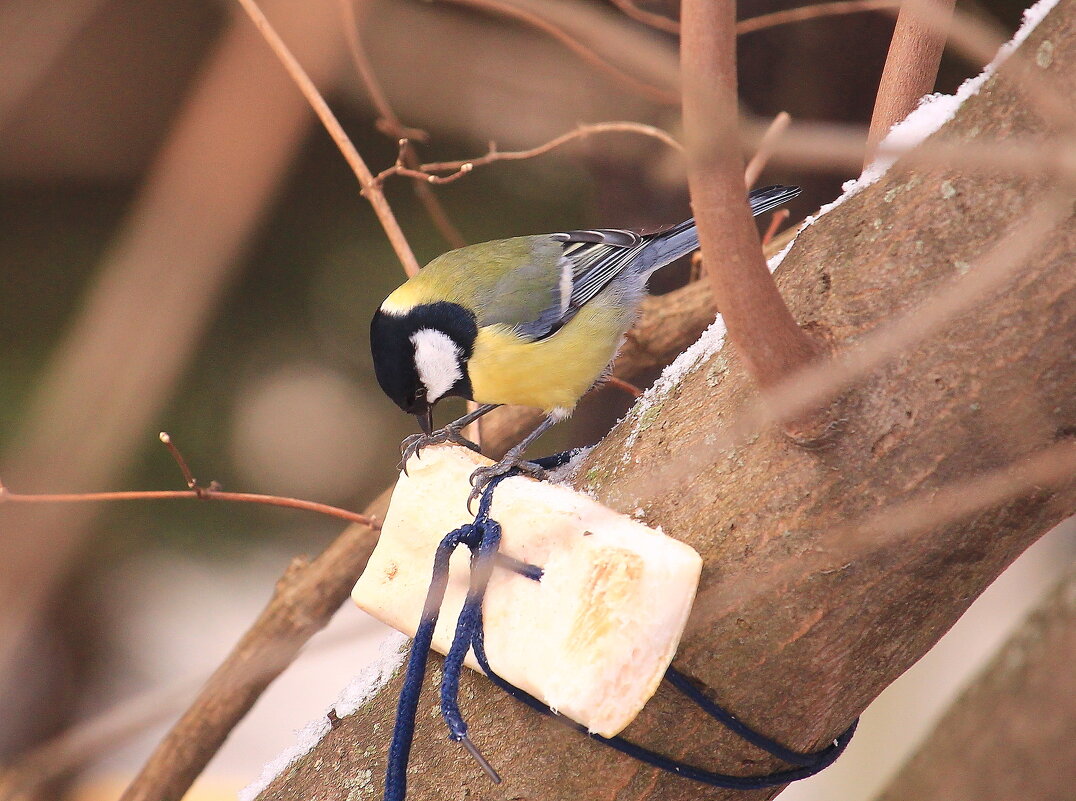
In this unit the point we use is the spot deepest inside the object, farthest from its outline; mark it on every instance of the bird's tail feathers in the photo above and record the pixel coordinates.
(666, 247)
(770, 197)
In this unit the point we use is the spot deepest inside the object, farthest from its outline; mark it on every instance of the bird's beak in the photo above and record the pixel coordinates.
(425, 421)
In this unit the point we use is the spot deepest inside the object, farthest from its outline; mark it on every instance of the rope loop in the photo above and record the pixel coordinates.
(482, 537)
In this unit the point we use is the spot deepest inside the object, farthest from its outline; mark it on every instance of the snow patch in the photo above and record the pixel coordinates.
(373, 677)
(369, 680)
(933, 111)
(567, 471)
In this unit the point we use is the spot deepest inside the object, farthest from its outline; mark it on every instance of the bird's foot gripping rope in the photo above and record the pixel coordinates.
(482, 537)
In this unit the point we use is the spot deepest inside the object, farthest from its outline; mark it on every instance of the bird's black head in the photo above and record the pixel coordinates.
(420, 355)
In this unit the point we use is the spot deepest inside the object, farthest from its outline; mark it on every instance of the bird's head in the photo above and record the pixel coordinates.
(420, 355)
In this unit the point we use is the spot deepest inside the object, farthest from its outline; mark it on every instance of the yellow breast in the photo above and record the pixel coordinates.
(552, 373)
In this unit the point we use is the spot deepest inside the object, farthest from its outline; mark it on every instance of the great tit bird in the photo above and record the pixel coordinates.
(531, 321)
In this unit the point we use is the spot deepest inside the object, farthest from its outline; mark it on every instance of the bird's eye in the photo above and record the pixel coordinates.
(416, 395)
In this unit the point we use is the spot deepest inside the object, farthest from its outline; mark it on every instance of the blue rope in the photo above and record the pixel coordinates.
(818, 761)
(483, 538)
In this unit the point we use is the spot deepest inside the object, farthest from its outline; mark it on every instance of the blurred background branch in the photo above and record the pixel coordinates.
(1012, 732)
(146, 312)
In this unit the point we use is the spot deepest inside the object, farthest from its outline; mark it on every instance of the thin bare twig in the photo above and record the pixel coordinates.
(779, 218)
(624, 386)
(659, 21)
(195, 491)
(390, 123)
(184, 468)
(370, 190)
(198, 494)
(911, 68)
(839, 8)
(649, 91)
(580, 132)
(457, 169)
(765, 147)
(764, 21)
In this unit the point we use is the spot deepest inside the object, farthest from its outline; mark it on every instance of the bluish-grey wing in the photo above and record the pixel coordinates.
(595, 265)
(592, 258)
(587, 261)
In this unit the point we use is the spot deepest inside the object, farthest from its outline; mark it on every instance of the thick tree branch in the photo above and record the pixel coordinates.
(759, 324)
(800, 655)
(1012, 733)
(305, 598)
(910, 68)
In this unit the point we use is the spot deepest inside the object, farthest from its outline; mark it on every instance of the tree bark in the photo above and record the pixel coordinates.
(795, 630)
(1012, 733)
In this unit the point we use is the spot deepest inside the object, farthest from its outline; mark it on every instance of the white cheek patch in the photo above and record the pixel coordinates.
(437, 360)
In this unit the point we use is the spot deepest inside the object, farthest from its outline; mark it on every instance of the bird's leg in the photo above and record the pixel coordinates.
(514, 459)
(414, 444)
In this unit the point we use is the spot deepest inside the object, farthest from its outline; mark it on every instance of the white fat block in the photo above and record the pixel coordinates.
(592, 639)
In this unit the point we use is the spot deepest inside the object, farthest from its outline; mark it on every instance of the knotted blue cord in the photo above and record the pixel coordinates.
(488, 533)
(483, 537)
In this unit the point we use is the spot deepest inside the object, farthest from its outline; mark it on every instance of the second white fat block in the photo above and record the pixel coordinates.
(592, 639)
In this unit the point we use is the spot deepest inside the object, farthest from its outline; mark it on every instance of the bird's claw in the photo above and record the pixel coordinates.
(481, 477)
(413, 444)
